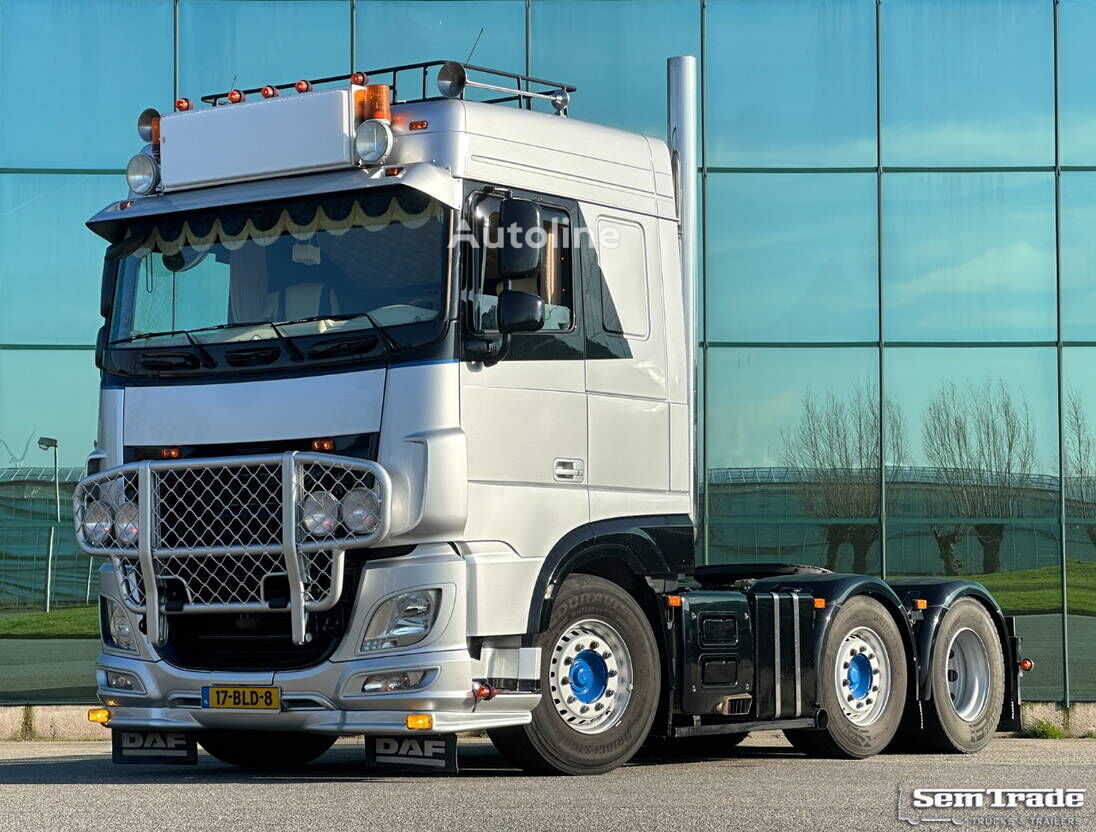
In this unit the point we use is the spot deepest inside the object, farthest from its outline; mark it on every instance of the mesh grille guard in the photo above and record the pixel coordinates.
(227, 534)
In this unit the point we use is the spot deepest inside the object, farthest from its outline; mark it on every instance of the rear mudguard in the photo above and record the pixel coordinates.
(940, 594)
(835, 589)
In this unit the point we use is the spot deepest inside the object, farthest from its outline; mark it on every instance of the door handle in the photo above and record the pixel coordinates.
(568, 470)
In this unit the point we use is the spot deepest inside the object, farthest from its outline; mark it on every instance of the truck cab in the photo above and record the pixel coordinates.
(396, 438)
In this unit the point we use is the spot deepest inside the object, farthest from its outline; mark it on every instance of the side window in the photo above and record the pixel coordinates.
(554, 282)
(624, 294)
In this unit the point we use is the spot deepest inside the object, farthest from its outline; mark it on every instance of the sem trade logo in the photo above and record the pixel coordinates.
(992, 807)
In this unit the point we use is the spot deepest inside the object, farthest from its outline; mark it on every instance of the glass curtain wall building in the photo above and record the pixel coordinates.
(899, 284)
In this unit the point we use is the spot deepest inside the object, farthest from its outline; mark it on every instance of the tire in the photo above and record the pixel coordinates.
(264, 749)
(863, 677)
(590, 617)
(968, 681)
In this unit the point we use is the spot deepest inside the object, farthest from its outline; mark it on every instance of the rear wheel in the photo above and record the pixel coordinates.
(599, 684)
(863, 681)
(968, 681)
(264, 749)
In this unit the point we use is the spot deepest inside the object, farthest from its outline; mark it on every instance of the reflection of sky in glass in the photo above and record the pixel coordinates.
(397, 33)
(1078, 256)
(615, 52)
(247, 44)
(50, 264)
(968, 82)
(791, 83)
(969, 257)
(59, 399)
(98, 64)
(914, 376)
(1076, 91)
(755, 394)
(792, 257)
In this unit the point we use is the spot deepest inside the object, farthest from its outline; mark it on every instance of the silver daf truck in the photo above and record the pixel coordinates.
(396, 440)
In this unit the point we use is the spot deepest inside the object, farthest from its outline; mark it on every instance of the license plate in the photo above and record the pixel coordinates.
(242, 698)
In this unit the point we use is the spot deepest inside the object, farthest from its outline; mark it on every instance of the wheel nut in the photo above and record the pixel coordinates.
(612, 673)
(852, 652)
(565, 681)
(860, 704)
(863, 649)
(570, 700)
(848, 698)
(867, 701)
(598, 706)
(875, 671)
(594, 645)
(585, 708)
(567, 660)
(579, 648)
(844, 683)
(874, 688)
(609, 693)
(606, 655)
(846, 666)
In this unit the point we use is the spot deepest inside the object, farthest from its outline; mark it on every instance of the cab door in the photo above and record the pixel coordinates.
(524, 416)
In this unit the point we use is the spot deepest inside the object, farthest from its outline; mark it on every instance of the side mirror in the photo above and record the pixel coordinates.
(519, 312)
(517, 258)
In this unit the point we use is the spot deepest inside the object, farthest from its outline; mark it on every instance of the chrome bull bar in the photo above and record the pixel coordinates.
(218, 529)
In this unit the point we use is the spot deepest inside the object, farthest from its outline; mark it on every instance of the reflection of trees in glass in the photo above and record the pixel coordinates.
(833, 452)
(982, 444)
(1080, 465)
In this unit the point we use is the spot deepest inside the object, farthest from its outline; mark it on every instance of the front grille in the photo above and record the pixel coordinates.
(219, 508)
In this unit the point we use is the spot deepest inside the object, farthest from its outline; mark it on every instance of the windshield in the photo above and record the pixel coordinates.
(337, 263)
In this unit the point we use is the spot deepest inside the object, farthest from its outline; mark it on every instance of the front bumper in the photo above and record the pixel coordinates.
(326, 699)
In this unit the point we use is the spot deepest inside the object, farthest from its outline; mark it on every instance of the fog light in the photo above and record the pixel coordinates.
(124, 681)
(101, 716)
(419, 722)
(391, 682)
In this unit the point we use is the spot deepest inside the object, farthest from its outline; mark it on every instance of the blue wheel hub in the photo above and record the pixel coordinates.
(859, 675)
(589, 676)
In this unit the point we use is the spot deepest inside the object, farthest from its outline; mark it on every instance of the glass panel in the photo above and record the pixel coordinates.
(615, 52)
(972, 481)
(225, 44)
(968, 83)
(1078, 256)
(793, 456)
(1079, 423)
(969, 257)
(790, 83)
(792, 257)
(50, 265)
(397, 33)
(99, 63)
(1076, 94)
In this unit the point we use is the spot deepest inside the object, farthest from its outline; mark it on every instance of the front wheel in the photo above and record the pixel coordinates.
(600, 684)
(264, 749)
(863, 679)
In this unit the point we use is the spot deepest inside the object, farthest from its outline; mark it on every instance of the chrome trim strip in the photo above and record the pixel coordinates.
(777, 671)
(795, 641)
(290, 488)
(144, 553)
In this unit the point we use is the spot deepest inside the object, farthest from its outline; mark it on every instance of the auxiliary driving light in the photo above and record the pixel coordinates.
(96, 522)
(361, 511)
(142, 174)
(320, 513)
(100, 716)
(117, 680)
(148, 126)
(373, 141)
(419, 722)
(125, 524)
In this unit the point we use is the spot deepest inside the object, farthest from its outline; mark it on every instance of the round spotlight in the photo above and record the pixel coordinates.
(320, 513)
(148, 125)
(125, 523)
(361, 511)
(142, 174)
(96, 522)
(373, 141)
(235, 96)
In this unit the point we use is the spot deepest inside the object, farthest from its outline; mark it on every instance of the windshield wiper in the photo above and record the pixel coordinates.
(390, 343)
(207, 357)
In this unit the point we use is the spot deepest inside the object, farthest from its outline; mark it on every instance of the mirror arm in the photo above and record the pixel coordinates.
(487, 349)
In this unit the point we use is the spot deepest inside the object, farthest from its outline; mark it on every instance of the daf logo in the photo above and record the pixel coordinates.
(160, 742)
(410, 747)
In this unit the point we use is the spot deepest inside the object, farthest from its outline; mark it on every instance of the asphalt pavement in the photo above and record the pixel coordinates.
(762, 784)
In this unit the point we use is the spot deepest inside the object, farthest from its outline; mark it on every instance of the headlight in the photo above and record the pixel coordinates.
(361, 511)
(119, 627)
(402, 620)
(142, 174)
(373, 141)
(96, 522)
(320, 513)
(393, 681)
(125, 524)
